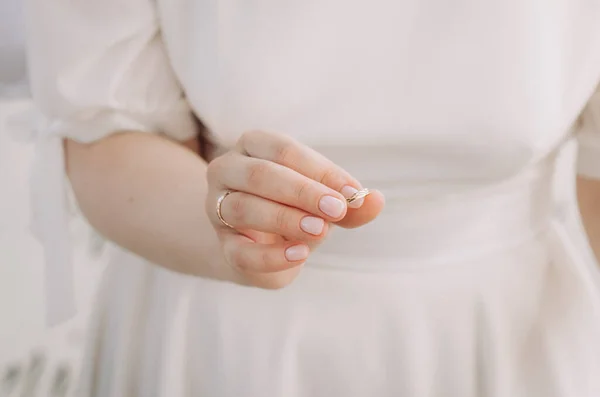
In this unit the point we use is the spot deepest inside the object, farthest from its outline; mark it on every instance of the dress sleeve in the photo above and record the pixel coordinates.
(588, 135)
(96, 67)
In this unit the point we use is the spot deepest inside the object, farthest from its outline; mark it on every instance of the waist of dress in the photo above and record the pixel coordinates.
(462, 226)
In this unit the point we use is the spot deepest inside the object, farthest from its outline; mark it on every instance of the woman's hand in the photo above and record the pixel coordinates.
(283, 198)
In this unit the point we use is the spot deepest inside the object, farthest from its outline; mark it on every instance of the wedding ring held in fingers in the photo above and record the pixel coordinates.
(358, 195)
(219, 202)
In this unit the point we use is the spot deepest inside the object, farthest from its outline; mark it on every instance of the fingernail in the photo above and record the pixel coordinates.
(296, 253)
(312, 225)
(349, 191)
(332, 206)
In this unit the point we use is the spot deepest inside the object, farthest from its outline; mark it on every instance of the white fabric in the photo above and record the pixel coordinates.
(465, 285)
(118, 51)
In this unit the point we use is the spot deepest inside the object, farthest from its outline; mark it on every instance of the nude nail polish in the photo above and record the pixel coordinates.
(331, 206)
(312, 225)
(296, 253)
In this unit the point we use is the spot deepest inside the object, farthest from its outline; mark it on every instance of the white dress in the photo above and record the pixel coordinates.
(466, 285)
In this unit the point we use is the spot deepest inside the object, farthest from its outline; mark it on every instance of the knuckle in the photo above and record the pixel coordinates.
(282, 219)
(239, 262)
(272, 261)
(247, 137)
(327, 176)
(285, 153)
(301, 191)
(265, 274)
(238, 209)
(256, 173)
(239, 259)
(213, 171)
(267, 259)
(230, 253)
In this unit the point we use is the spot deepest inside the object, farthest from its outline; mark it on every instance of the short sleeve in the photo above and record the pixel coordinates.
(588, 136)
(95, 68)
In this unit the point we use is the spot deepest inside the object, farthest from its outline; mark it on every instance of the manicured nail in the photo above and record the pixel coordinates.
(297, 253)
(312, 225)
(332, 206)
(349, 191)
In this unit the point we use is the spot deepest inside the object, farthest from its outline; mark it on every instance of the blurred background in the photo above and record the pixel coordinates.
(20, 258)
(21, 265)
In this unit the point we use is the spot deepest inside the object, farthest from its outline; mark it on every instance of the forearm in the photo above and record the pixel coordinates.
(147, 194)
(588, 195)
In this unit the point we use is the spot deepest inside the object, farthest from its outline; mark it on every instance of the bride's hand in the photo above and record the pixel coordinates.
(282, 198)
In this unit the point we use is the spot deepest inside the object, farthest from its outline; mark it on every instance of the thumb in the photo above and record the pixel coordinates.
(369, 210)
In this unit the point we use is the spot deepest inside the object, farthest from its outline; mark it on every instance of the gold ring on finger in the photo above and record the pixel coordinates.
(219, 203)
(358, 195)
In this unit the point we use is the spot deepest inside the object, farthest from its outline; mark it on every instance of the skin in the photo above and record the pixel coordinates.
(157, 198)
(588, 196)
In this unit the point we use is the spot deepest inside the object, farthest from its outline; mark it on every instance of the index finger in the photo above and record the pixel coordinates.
(286, 151)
